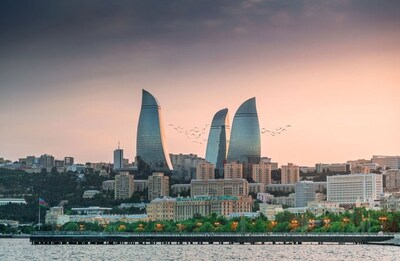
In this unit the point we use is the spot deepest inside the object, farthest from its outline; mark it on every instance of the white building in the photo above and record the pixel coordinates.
(348, 189)
(6, 201)
(265, 197)
(90, 193)
(270, 210)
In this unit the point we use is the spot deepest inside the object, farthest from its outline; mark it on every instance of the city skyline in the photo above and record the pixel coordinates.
(71, 77)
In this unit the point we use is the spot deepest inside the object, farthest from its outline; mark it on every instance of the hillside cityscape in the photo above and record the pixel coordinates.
(233, 184)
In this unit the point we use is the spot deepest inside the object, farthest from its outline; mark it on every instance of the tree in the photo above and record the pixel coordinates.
(71, 226)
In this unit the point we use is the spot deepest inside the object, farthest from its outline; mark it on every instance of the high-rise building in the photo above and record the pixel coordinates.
(217, 144)
(158, 186)
(304, 193)
(233, 170)
(348, 189)
(262, 173)
(124, 185)
(150, 145)
(118, 159)
(205, 171)
(290, 174)
(245, 141)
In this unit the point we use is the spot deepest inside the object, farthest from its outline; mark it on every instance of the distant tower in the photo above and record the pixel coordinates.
(217, 144)
(150, 143)
(118, 158)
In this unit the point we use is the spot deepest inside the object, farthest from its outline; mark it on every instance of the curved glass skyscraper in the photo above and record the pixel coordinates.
(150, 140)
(245, 142)
(217, 144)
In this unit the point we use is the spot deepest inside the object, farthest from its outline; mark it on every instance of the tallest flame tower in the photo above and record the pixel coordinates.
(150, 143)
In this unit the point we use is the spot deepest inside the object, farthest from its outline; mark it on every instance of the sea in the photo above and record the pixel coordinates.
(21, 249)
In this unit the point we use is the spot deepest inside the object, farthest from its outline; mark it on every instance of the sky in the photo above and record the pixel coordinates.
(71, 74)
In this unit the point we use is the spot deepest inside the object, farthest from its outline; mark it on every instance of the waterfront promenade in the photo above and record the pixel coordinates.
(207, 238)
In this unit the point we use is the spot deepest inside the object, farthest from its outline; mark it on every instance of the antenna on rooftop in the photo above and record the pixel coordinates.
(118, 144)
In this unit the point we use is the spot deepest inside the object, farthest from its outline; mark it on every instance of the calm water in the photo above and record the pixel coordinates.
(21, 249)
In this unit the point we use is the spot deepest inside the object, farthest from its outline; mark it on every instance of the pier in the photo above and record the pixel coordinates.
(55, 238)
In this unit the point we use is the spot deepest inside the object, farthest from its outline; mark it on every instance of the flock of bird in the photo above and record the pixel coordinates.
(275, 132)
(196, 134)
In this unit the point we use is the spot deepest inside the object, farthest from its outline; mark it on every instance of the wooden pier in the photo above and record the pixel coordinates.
(55, 238)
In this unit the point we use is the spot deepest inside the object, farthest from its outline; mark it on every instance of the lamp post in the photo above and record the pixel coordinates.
(326, 222)
(345, 221)
(311, 223)
(294, 223)
(383, 220)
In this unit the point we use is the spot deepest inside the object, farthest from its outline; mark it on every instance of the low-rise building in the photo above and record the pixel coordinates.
(92, 210)
(256, 188)
(270, 210)
(6, 201)
(141, 185)
(265, 197)
(319, 208)
(219, 187)
(161, 209)
(180, 208)
(90, 193)
(285, 201)
(109, 185)
(180, 188)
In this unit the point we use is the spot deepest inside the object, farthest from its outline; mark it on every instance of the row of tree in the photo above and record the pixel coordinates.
(359, 220)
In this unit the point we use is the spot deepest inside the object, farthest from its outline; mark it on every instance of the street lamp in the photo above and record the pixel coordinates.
(383, 220)
(326, 221)
(311, 223)
(294, 223)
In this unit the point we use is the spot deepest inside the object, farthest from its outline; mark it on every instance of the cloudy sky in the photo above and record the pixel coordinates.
(71, 74)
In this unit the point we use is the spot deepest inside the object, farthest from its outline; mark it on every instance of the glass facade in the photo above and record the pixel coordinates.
(245, 142)
(217, 144)
(150, 143)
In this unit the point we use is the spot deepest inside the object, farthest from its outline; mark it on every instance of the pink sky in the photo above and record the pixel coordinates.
(337, 84)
